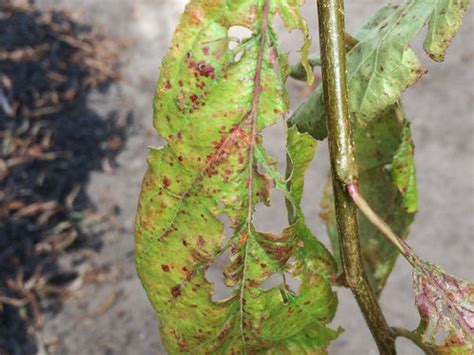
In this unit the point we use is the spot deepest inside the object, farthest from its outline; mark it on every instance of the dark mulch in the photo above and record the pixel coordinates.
(50, 142)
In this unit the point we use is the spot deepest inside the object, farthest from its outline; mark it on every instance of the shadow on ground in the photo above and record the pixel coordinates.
(50, 143)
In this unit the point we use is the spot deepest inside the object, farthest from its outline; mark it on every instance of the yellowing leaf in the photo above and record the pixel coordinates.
(212, 103)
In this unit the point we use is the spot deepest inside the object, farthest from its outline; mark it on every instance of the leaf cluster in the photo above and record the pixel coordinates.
(214, 98)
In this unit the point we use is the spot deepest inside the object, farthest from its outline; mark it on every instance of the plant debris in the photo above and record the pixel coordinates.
(50, 141)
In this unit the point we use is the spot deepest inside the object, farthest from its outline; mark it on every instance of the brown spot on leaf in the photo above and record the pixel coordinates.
(223, 334)
(165, 268)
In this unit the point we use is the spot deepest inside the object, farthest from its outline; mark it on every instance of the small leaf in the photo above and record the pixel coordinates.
(443, 26)
(382, 65)
(403, 171)
(446, 307)
(290, 13)
(211, 104)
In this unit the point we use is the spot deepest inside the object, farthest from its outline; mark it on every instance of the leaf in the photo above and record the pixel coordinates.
(443, 26)
(390, 192)
(403, 171)
(382, 65)
(446, 307)
(291, 15)
(211, 105)
(301, 148)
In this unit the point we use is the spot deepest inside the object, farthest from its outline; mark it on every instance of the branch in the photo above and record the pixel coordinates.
(415, 338)
(344, 168)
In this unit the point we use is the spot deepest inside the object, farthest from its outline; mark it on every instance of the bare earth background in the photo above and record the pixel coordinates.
(116, 317)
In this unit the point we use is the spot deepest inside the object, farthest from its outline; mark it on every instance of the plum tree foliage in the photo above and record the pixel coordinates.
(214, 98)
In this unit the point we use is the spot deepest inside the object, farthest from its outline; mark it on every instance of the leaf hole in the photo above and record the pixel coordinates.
(273, 219)
(228, 231)
(215, 275)
(273, 281)
(237, 34)
(274, 142)
(292, 283)
(238, 56)
(284, 280)
(289, 40)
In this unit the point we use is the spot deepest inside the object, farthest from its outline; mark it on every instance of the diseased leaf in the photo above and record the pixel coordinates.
(291, 15)
(446, 307)
(443, 26)
(390, 192)
(382, 65)
(301, 148)
(211, 104)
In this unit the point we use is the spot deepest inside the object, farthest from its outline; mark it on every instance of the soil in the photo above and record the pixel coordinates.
(108, 313)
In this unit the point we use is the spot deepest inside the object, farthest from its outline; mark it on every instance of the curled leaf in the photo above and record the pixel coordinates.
(446, 307)
(443, 26)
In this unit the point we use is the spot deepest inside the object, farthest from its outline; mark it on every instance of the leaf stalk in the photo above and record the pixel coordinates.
(382, 226)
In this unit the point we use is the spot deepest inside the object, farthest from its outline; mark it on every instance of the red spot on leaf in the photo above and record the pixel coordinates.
(201, 242)
(176, 291)
(166, 182)
(205, 69)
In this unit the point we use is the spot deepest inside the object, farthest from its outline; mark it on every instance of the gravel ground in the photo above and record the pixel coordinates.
(116, 317)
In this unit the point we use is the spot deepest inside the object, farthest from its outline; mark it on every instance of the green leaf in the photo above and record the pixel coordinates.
(390, 192)
(443, 26)
(403, 171)
(211, 105)
(382, 65)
